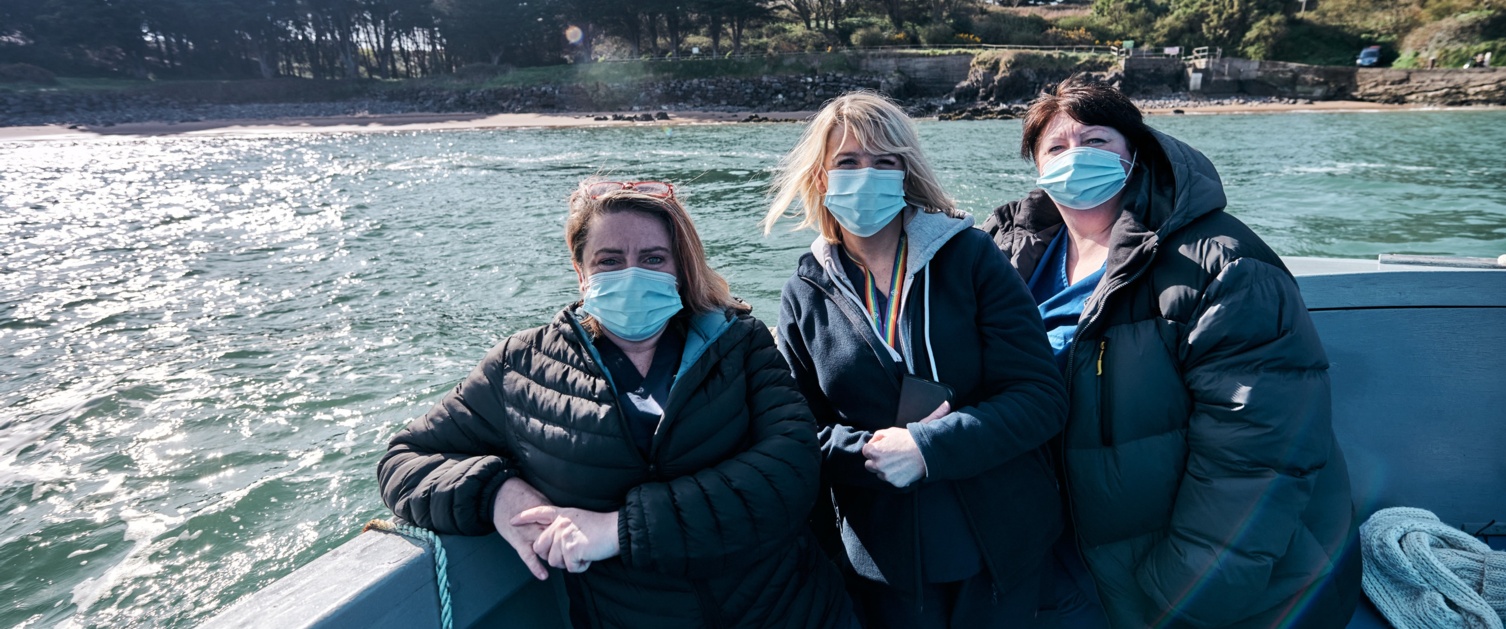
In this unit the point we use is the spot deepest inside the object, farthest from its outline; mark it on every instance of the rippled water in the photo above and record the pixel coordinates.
(206, 341)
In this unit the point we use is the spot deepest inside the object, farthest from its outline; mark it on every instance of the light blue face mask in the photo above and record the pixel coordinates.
(1084, 177)
(864, 200)
(632, 303)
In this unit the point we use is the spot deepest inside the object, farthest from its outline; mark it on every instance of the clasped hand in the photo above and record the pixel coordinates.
(542, 533)
(894, 456)
(572, 538)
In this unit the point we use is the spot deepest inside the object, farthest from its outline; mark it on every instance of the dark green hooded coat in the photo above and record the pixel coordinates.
(1203, 478)
(711, 522)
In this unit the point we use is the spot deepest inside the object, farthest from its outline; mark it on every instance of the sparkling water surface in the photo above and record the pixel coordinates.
(205, 341)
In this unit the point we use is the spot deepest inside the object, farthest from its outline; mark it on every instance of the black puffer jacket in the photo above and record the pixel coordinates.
(711, 522)
(1204, 480)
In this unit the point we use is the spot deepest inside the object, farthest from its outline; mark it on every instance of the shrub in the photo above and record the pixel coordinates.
(847, 28)
(1060, 37)
(26, 73)
(1317, 43)
(1262, 40)
(870, 36)
(1007, 28)
(797, 40)
(1442, 9)
(1103, 30)
(1459, 30)
(936, 34)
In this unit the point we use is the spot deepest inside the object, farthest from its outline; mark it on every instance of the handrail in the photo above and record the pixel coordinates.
(1205, 52)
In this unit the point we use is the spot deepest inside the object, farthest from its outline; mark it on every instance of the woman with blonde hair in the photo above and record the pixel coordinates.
(648, 441)
(928, 371)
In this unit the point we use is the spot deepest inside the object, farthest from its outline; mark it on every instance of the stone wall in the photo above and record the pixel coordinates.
(1295, 80)
(1474, 86)
(767, 93)
(918, 76)
(1153, 75)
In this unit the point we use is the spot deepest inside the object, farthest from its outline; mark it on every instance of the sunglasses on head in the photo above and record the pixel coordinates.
(658, 189)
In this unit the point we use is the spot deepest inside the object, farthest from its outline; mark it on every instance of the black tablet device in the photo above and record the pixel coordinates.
(918, 398)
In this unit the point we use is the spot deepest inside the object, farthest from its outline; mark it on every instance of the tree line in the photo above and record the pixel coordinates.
(346, 38)
(343, 39)
(1310, 31)
(372, 38)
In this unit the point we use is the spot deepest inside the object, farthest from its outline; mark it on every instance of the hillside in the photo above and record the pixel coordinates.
(389, 40)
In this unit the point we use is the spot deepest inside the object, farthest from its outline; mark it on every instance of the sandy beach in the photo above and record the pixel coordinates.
(380, 122)
(462, 121)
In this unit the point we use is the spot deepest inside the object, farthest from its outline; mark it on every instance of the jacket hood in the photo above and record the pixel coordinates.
(1172, 186)
(1181, 189)
(701, 330)
(927, 233)
(1168, 189)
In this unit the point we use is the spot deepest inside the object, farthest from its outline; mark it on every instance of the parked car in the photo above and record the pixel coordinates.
(1369, 57)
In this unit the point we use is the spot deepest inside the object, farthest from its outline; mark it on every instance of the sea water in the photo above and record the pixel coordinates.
(206, 341)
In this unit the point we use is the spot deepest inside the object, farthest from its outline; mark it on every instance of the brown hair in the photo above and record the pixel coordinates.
(881, 127)
(1090, 102)
(701, 289)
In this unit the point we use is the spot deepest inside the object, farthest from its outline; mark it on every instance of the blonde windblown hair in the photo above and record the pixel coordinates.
(701, 288)
(880, 127)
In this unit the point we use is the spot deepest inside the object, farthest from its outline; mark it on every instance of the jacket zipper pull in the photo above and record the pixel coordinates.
(1103, 346)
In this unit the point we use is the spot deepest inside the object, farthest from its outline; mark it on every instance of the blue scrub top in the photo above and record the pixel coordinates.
(1059, 302)
(644, 396)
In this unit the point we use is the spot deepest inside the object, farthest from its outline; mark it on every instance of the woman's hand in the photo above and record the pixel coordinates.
(894, 457)
(572, 538)
(940, 412)
(516, 497)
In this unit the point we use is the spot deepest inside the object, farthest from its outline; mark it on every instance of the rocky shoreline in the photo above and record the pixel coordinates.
(723, 94)
(1173, 103)
(646, 101)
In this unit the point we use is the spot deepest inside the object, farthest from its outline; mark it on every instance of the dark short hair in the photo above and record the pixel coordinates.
(1090, 102)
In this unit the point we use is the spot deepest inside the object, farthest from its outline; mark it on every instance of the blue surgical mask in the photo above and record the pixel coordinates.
(864, 200)
(632, 303)
(1084, 177)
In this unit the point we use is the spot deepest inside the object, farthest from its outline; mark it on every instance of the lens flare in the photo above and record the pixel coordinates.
(573, 34)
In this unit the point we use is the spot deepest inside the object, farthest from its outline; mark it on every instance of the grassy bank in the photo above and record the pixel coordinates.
(486, 76)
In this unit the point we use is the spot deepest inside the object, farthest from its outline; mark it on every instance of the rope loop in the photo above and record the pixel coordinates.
(441, 561)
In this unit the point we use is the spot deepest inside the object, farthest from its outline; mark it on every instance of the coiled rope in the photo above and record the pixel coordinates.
(1421, 572)
(441, 561)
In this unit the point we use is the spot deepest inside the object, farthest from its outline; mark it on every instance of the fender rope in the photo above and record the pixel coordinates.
(441, 561)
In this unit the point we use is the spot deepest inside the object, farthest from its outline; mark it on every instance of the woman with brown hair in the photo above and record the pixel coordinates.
(1203, 479)
(928, 372)
(648, 441)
